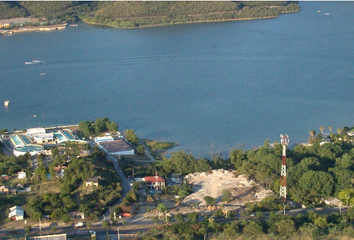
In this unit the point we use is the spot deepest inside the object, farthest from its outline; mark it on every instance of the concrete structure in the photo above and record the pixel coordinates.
(21, 175)
(116, 147)
(49, 237)
(33, 131)
(31, 148)
(16, 213)
(104, 139)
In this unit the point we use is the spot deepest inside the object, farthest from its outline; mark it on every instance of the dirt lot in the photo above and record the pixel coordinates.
(213, 184)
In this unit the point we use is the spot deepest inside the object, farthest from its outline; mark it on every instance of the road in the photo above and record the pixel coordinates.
(125, 183)
(140, 223)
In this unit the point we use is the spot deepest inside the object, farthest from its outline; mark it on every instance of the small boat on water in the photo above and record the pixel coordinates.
(73, 25)
(42, 74)
(6, 103)
(327, 13)
(33, 62)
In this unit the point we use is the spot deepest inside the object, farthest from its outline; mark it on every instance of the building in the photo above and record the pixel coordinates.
(333, 201)
(116, 147)
(16, 213)
(92, 181)
(104, 139)
(4, 190)
(21, 175)
(154, 182)
(4, 25)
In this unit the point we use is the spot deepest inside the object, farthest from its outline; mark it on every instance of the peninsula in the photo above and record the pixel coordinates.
(131, 14)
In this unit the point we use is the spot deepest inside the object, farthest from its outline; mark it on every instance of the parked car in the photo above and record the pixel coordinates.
(79, 224)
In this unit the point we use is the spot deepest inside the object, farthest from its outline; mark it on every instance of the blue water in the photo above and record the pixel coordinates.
(209, 87)
(68, 135)
(25, 139)
(16, 140)
(59, 136)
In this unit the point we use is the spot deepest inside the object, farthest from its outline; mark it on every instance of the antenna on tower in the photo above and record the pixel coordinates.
(284, 142)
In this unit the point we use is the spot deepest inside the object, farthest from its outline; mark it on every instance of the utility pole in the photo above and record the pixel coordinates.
(284, 142)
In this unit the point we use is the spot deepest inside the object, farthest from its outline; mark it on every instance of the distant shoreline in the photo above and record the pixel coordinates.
(190, 22)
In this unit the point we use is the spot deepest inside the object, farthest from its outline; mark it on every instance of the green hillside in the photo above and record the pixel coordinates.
(142, 13)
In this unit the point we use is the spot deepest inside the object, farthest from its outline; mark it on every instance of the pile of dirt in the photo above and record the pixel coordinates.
(213, 184)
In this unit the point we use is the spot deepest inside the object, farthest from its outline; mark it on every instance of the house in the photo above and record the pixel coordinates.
(92, 181)
(4, 190)
(59, 171)
(154, 182)
(333, 201)
(16, 213)
(21, 175)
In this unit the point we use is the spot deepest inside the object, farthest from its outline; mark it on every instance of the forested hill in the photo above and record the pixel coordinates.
(143, 13)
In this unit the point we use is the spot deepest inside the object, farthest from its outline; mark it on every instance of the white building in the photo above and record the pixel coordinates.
(21, 175)
(16, 213)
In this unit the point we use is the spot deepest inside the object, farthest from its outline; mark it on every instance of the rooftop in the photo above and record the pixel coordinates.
(116, 146)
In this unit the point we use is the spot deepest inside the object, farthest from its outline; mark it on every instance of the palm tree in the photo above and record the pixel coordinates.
(321, 129)
(330, 128)
(339, 131)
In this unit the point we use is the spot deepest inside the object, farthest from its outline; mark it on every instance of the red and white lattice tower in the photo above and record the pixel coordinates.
(284, 142)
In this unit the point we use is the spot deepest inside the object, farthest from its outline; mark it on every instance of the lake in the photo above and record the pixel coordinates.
(208, 87)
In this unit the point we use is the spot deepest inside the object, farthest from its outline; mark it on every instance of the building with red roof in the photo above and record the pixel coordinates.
(154, 182)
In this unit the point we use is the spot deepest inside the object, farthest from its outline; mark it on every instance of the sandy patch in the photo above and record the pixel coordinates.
(213, 184)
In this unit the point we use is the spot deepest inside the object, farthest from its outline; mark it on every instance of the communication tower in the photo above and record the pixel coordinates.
(284, 142)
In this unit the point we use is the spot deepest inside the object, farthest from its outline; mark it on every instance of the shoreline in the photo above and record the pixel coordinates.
(34, 29)
(191, 22)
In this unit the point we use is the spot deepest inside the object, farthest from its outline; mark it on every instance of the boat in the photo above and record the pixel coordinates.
(42, 74)
(36, 61)
(327, 13)
(28, 62)
(73, 25)
(6, 103)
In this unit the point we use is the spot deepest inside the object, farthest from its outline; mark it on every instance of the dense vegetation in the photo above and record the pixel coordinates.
(125, 14)
(303, 226)
(101, 125)
(67, 193)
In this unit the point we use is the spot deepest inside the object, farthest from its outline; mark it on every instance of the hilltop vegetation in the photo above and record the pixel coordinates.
(137, 14)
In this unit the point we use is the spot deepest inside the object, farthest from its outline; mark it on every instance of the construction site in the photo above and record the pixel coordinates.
(214, 183)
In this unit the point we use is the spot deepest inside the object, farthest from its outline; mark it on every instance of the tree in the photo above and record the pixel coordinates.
(209, 200)
(226, 196)
(192, 216)
(346, 195)
(154, 219)
(321, 222)
(312, 139)
(161, 208)
(321, 129)
(105, 224)
(285, 227)
(252, 229)
(314, 185)
(330, 128)
(179, 217)
(131, 136)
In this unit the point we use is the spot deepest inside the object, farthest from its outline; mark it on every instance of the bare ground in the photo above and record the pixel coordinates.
(213, 184)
